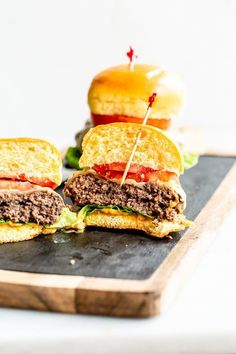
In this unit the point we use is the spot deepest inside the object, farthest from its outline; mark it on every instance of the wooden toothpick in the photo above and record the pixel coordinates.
(148, 111)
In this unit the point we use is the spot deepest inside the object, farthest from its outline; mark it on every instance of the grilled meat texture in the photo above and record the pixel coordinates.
(41, 206)
(150, 199)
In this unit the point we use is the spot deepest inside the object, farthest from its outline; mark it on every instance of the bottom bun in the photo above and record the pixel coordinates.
(137, 222)
(13, 233)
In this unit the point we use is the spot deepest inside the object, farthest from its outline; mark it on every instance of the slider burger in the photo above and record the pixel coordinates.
(30, 170)
(119, 94)
(151, 199)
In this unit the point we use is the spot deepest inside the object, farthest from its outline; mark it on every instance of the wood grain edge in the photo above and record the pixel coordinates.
(37, 291)
(117, 297)
(75, 294)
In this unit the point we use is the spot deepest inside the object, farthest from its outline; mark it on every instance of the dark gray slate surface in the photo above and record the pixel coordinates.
(113, 254)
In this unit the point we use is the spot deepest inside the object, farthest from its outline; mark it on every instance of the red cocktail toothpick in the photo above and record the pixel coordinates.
(151, 100)
(130, 54)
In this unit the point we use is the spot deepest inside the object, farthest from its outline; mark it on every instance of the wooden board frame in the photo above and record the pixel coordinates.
(119, 297)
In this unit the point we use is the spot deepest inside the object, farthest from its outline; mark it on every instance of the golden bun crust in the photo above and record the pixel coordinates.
(31, 157)
(114, 142)
(119, 91)
(14, 233)
(136, 222)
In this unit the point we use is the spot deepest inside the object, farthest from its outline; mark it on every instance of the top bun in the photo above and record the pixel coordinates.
(114, 143)
(119, 91)
(36, 160)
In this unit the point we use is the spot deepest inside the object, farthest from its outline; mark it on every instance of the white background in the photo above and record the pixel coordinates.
(50, 51)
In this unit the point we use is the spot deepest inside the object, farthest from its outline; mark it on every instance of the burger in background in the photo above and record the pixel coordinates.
(119, 94)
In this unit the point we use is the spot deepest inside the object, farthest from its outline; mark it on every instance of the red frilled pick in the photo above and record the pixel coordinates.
(152, 99)
(130, 54)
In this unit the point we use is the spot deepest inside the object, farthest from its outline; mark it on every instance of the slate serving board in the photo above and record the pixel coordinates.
(117, 255)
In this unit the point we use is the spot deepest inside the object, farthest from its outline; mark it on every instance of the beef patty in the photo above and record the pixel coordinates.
(151, 199)
(42, 206)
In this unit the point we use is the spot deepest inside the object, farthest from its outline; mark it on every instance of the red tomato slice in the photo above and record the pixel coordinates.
(163, 176)
(120, 166)
(43, 182)
(8, 184)
(163, 123)
(115, 166)
(136, 172)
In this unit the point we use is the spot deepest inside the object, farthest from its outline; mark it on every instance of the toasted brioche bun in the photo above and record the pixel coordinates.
(119, 91)
(10, 232)
(114, 143)
(135, 222)
(33, 158)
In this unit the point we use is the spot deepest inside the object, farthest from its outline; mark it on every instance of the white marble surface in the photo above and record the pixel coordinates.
(202, 320)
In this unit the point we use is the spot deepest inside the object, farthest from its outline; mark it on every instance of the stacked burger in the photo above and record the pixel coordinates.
(150, 199)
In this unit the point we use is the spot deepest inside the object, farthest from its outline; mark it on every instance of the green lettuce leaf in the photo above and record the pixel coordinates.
(70, 220)
(74, 221)
(67, 220)
(190, 160)
(89, 208)
(72, 158)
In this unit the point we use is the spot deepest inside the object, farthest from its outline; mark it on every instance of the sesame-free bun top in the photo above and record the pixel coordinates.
(34, 159)
(114, 143)
(119, 91)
